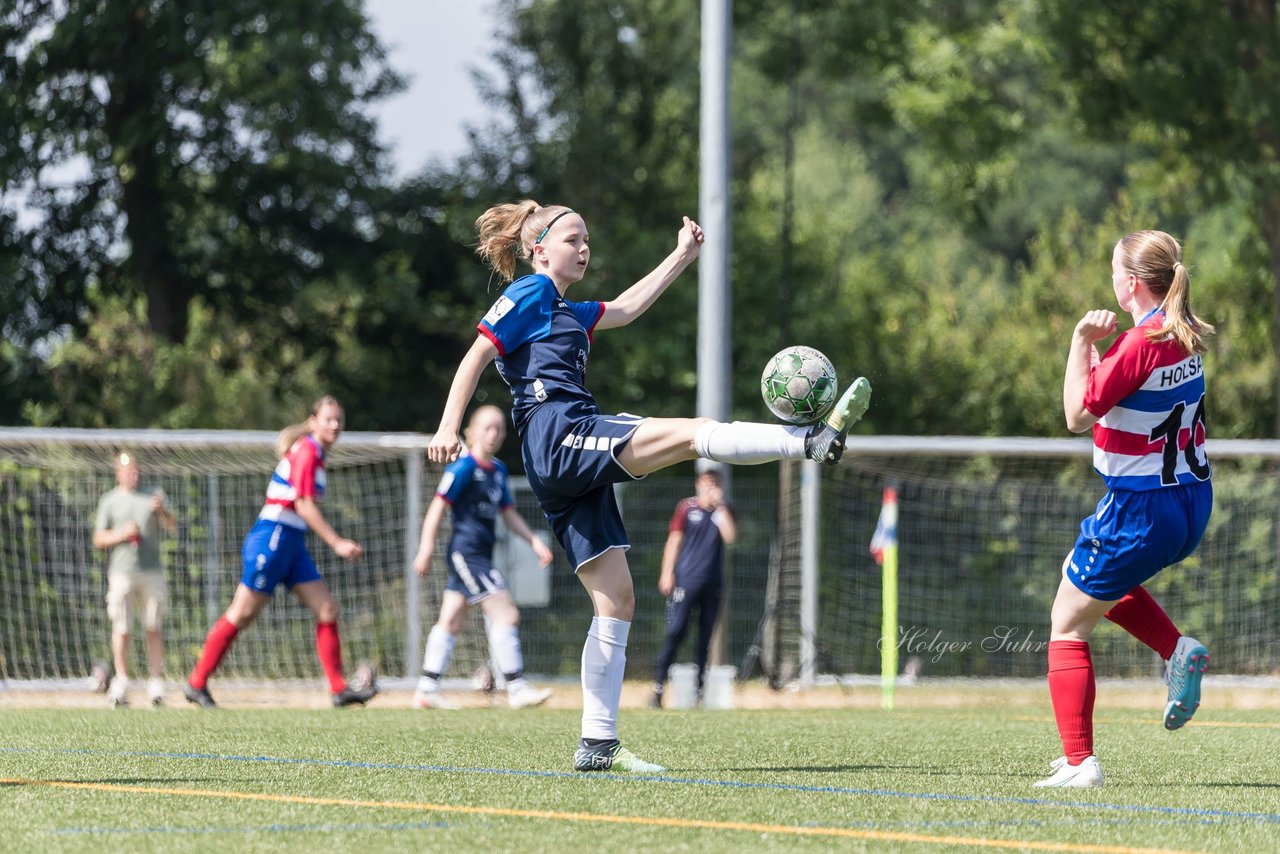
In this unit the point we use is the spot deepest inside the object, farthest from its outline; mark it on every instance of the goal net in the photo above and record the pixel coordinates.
(53, 581)
(983, 527)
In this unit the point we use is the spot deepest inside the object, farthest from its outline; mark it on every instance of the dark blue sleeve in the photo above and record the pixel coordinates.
(457, 477)
(588, 314)
(522, 314)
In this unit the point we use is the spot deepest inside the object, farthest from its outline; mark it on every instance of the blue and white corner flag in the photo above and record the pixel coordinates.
(886, 535)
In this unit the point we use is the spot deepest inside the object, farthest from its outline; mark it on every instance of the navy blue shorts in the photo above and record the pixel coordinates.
(473, 575)
(276, 554)
(570, 455)
(1134, 535)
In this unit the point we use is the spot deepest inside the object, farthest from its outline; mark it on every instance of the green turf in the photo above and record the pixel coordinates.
(851, 769)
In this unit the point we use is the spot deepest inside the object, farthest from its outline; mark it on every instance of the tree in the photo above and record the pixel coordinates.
(211, 146)
(218, 154)
(1194, 80)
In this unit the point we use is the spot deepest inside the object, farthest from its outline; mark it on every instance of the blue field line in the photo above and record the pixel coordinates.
(1189, 812)
(266, 828)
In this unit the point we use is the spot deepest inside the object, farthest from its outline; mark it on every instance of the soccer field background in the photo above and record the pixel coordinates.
(950, 768)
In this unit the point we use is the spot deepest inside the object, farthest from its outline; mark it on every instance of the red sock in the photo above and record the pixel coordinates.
(1141, 616)
(1072, 689)
(216, 645)
(329, 648)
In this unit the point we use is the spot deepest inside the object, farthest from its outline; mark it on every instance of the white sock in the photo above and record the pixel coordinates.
(435, 658)
(604, 658)
(504, 644)
(746, 443)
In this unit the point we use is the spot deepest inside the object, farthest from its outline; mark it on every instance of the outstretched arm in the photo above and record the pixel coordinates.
(521, 529)
(635, 300)
(310, 513)
(445, 445)
(1081, 358)
(427, 543)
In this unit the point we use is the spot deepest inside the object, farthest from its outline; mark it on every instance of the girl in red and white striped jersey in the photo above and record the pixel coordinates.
(275, 552)
(1144, 401)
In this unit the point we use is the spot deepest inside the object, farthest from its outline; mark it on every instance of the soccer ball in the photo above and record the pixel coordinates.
(799, 385)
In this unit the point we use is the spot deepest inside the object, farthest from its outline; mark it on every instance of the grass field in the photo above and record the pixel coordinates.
(930, 776)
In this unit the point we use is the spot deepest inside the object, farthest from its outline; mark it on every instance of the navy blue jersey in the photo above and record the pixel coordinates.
(701, 558)
(476, 491)
(543, 341)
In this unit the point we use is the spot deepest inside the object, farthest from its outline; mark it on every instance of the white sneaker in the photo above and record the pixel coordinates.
(155, 692)
(117, 693)
(1086, 775)
(433, 700)
(528, 697)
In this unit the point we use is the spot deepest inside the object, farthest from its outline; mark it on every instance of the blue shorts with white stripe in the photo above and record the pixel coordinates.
(570, 456)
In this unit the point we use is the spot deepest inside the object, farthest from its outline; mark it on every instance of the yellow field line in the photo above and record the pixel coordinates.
(650, 821)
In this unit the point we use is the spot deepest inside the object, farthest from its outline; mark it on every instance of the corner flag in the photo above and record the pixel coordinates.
(886, 535)
(884, 548)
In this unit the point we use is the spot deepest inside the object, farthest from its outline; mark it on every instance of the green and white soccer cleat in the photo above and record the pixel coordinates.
(825, 442)
(611, 756)
(1182, 673)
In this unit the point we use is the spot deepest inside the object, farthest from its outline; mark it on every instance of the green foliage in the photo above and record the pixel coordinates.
(927, 194)
(227, 375)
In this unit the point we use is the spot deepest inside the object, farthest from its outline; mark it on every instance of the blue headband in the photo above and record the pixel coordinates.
(554, 220)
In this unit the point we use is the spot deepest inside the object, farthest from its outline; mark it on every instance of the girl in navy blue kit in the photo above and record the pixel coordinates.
(693, 574)
(573, 453)
(476, 487)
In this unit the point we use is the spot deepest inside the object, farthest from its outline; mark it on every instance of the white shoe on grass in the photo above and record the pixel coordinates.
(1182, 673)
(528, 697)
(155, 692)
(434, 700)
(1086, 775)
(117, 693)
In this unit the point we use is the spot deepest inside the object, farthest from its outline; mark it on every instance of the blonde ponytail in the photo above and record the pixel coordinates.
(507, 233)
(1155, 258)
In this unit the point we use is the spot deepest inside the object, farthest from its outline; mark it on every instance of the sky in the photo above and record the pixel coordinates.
(432, 43)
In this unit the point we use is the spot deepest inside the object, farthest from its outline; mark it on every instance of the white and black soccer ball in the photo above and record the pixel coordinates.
(799, 385)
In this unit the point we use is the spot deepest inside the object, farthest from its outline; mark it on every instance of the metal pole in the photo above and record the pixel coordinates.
(213, 554)
(810, 504)
(714, 303)
(714, 299)
(412, 530)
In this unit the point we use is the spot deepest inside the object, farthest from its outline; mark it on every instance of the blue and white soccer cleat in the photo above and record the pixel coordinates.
(1182, 673)
(825, 442)
(611, 756)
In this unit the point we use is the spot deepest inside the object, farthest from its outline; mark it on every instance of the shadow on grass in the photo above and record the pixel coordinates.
(826, 769)
(1239, 785)
(116, 781)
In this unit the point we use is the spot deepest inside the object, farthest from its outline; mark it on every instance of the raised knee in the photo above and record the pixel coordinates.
(328, 612)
